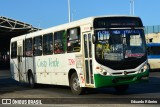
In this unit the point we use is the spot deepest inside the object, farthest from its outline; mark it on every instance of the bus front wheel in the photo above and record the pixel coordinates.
(121, 88)
(75, 84)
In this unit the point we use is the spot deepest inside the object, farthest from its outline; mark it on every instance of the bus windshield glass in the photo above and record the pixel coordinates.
(119, 45)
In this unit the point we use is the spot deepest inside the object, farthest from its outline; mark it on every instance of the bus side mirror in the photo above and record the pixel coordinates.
(93, 39)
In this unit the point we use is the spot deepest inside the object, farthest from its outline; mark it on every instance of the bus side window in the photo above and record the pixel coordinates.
(28, 47)
(48, 44)
(14, 50)
(73, 40)
(37, 43)
(60, 42)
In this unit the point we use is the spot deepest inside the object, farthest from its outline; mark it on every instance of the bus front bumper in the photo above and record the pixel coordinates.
(111, 81)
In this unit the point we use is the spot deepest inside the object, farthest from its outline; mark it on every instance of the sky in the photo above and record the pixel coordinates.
(48, 13)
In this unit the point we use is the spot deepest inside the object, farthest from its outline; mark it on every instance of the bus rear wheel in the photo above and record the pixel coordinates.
(31, 80)
(121, 88)
(75, 85)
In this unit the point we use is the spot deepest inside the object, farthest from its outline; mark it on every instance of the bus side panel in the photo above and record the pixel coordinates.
(14, 69)
(29, 66)
(43, 71)
(52, 69)
(64, 63)
(24, 72)
(154, 63)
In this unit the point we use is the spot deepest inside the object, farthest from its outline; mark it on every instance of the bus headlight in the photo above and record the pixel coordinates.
(102, 71)
(144, 68)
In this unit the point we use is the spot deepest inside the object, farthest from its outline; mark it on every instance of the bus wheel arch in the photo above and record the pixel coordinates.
(74, 82)
(71, 71)
(31, 79)
(149, 67)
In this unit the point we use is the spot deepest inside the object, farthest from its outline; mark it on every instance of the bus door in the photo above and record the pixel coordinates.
(88, 58)
(19, 60)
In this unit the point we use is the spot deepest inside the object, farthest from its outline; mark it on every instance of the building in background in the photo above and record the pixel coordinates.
(10, 28)
(152, 34)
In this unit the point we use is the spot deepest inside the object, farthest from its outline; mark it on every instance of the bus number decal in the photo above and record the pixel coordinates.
(71, 61)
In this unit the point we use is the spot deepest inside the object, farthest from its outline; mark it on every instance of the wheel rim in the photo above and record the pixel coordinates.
(76, 84)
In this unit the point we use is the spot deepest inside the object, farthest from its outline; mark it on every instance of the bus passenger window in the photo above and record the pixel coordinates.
(73, 40)
(48, 44)
(37, 43)
(14, 50)
(28, 47)
(60, 42)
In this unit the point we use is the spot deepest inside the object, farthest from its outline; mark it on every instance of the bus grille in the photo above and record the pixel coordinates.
(122, 73)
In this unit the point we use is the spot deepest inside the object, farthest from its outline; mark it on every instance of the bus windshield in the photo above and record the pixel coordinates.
(119, 45)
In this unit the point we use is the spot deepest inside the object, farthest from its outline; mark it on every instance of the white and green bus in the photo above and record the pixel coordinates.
(106, 51)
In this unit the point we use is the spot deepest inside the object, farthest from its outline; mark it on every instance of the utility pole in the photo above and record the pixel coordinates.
(69, 11)
(132, 7)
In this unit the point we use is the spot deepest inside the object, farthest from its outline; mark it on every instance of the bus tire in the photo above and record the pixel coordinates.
(31, 80)
(75, 85)
(121, 88)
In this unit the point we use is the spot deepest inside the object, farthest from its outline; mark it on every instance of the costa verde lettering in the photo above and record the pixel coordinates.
(50, 62)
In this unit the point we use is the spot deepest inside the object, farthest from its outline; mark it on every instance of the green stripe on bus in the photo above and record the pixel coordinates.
(109, 81)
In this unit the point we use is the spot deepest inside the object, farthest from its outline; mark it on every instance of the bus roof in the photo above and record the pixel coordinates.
(72, 24)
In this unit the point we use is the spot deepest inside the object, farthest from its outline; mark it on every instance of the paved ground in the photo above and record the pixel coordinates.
(5, 74)
(12, 89)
